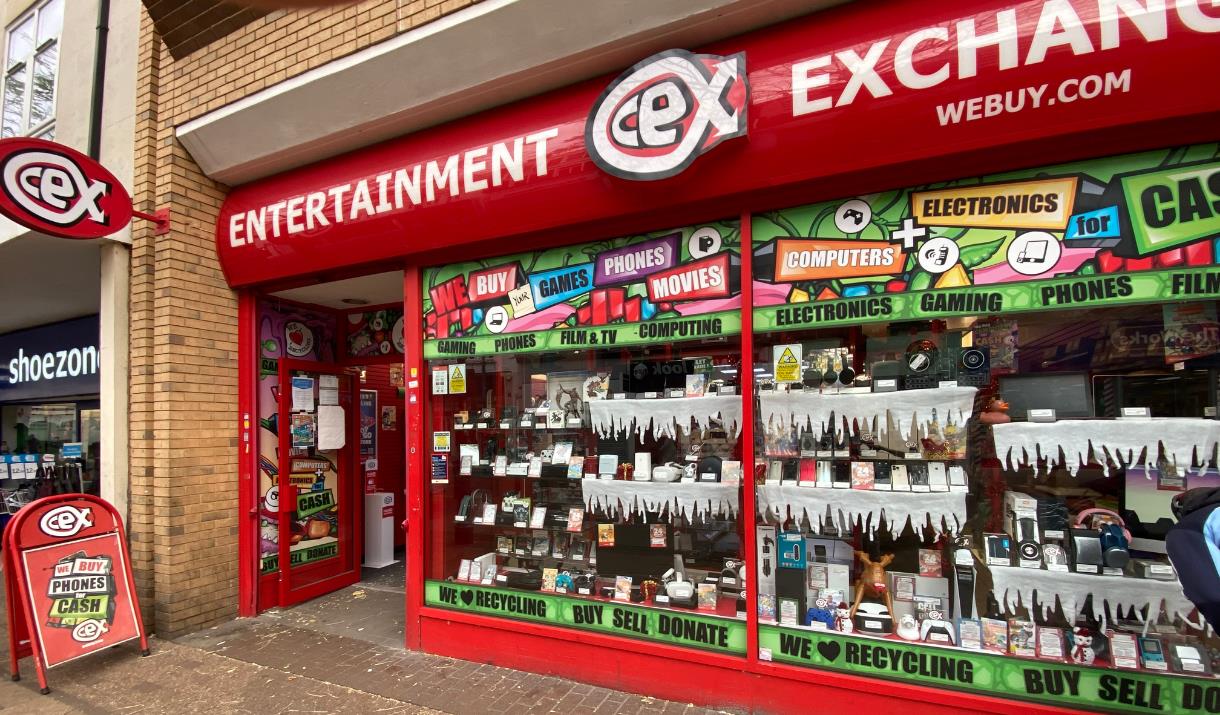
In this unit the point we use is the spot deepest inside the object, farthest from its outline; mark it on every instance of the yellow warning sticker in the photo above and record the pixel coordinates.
(787, 363)
(457, 379)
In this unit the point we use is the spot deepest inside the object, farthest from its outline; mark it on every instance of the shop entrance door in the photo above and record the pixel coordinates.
(319, 507)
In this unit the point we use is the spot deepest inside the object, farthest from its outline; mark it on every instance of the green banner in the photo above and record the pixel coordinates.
(1173, 207)
(722, 635)
(303, 556)
(710, 325)
(310, 503)
(1055, 294)
(993, 674)
(72, 611)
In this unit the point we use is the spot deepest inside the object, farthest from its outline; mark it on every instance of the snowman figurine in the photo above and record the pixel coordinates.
(843, 619)
(1082, 646)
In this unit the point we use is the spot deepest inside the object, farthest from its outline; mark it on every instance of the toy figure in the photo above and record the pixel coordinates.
(843, 619)
(873, 582)
(1082, 646)
(996, 413)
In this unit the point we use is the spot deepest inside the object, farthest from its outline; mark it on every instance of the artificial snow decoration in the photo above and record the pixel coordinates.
(1125, 440)
(909, 411)
(947, 509)
(706, 498)
(665, 416)
(1016, 586)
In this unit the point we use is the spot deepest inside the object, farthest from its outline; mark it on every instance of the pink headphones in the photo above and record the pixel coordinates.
(1082, 516)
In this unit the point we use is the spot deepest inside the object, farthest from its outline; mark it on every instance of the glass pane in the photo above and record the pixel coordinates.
(21, 42)
(42, 98)
(91, 443)
(50, 20)
(319, 482)
(14, 104)
(574, 472)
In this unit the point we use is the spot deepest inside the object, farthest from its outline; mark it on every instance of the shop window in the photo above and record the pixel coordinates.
(585, 453)
(32, 71)
(974, 409)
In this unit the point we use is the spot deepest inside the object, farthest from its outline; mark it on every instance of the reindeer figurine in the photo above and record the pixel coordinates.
(873, 582)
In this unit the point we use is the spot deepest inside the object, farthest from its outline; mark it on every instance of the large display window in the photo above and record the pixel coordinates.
(585, 449)
(974, 407)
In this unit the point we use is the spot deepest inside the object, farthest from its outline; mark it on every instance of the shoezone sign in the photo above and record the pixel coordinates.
(59, 191)
(70, 588)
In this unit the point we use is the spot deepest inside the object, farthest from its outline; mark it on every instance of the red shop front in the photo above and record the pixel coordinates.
(896, 454)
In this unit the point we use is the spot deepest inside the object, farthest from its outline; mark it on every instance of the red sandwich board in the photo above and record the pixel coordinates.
(69, 584)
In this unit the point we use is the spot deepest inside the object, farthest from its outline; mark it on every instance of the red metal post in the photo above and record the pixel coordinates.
(417, 473)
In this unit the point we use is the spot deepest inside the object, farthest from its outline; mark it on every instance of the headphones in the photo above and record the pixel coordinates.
(1112, 518)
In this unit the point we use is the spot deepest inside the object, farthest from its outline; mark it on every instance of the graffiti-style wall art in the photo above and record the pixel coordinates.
(1133, 228)
(374, 333)
(682, 284)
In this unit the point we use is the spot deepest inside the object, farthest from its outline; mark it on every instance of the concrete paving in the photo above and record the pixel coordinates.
(340, 653)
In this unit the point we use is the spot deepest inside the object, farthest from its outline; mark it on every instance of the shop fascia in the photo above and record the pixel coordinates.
(52, 365)
(1047, 47)
(1061, 23)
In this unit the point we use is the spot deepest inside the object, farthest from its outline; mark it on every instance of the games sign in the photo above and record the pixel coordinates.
(680, 284)
(70, 588)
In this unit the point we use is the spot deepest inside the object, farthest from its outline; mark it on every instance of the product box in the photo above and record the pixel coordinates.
(995, 635)
(1050, 643)
(767, 557)
(930, 562)
(791, 550)
(830, 551)
(1022, 638)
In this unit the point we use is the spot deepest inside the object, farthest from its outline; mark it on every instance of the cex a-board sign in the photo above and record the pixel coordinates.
(59, 191)
(69, 584)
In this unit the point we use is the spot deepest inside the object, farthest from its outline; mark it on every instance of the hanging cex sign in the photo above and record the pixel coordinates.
(660, 115)
(57, 190)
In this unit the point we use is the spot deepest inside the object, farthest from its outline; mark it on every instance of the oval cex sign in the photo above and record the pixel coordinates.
(57, 190)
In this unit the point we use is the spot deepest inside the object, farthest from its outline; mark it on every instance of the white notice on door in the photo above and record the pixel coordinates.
(332, 432)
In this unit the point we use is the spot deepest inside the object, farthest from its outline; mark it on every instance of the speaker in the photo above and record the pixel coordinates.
(974, 367)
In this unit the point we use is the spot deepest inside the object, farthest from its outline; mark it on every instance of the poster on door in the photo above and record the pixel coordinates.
(1134, 228)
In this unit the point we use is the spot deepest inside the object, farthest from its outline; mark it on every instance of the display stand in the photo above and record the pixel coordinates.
(946, 509)
(706, 498)
(664, 415)
(379, 530)
(909, 409)
(1016, 586)
(1125, 439)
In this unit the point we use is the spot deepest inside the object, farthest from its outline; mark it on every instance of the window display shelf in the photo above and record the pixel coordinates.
(1125, 439)
(706, 498)
(665, 416)
(946, 509)
(1015, 586)
(906, 413)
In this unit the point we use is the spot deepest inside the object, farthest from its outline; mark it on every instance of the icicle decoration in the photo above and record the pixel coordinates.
(707, 498)
(1016, 586)
(1124, 439)
(664, 416)
(908, 410)
(946, 509)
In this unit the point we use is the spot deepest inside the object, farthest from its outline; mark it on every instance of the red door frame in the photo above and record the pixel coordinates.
(347, 489)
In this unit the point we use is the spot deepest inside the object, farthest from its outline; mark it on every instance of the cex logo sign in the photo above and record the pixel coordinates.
(64, 521)
(663, 113)
(57, 190)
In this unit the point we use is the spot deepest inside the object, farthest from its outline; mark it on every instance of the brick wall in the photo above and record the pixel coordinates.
(184, 517)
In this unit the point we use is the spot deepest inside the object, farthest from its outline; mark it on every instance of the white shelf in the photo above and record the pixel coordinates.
(690, 498)
(847, 505)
